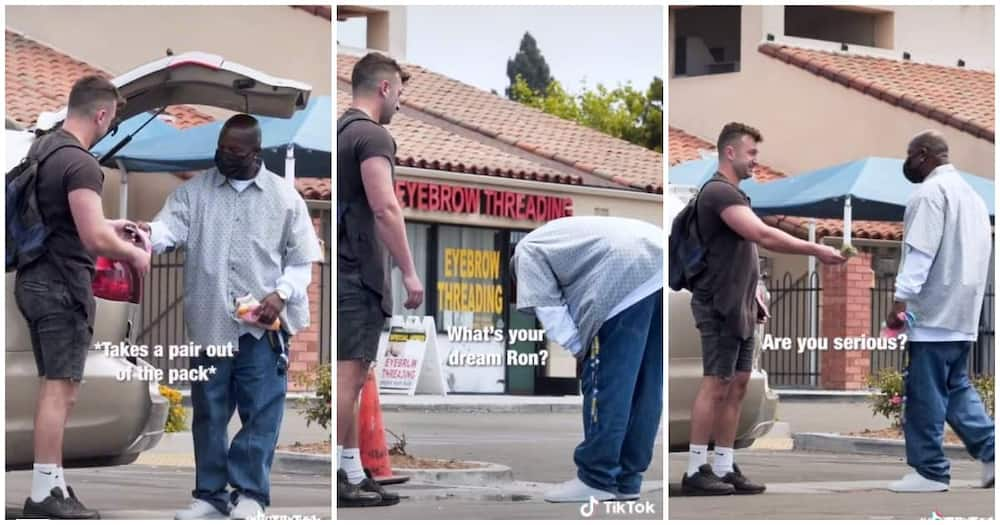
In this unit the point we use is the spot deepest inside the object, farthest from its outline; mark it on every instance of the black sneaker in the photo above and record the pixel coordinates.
(370, 485)
(55, 506)
(742, 484)
(351, 495)
(79, 504)
(705, 483)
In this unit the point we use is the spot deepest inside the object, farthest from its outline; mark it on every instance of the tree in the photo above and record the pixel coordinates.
(622, 112)
(530, 65)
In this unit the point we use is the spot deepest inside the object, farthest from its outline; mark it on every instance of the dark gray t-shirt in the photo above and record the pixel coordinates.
(359, 250)
(66, 170)
(730, 282)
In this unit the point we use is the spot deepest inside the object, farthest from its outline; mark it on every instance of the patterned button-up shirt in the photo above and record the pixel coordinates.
(580, 271)
(238, 243)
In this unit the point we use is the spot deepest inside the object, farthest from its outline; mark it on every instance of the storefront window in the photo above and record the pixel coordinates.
(417, 235)
(469, 278)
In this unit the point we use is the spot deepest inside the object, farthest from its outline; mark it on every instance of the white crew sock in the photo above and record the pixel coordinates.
(723, 463)
(340, 452)
(350, 461)
(61, 480)
(43, 480)
(697, 457)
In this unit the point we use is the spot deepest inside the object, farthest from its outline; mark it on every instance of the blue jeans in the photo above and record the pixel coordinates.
(622, 399)
(254, 383)
(938, 390)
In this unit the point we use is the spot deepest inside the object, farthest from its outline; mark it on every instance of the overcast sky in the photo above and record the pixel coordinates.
(607, 45)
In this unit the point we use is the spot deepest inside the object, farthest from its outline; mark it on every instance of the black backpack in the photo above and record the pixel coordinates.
(26, 229)
(688, 250)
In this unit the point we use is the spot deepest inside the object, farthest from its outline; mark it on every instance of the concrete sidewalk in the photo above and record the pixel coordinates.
(177, 449)
(461, 403)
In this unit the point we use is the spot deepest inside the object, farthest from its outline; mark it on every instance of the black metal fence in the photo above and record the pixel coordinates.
(792, 300)
(881, 303)
(981, 360)
(162, 312)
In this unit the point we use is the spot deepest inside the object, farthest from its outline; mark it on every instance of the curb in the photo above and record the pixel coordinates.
(823, 396)
(513, 492)
(836, 443)
(485, 475)
(778, 438)
(300, 463)
(457, 404)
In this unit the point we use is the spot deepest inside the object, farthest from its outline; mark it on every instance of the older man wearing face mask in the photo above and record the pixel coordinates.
(941, 283)
(245, 232)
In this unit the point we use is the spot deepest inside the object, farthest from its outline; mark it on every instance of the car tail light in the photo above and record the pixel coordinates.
(116, 281)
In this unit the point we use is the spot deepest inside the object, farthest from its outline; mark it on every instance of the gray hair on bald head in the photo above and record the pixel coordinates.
(931, 140)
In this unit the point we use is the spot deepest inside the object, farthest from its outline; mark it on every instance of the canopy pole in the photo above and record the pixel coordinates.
(122, 191)
(812, 281)
(848, 229)
(290, 165)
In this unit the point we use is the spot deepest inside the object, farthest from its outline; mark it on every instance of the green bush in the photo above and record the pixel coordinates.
(318, 409)
(887, 400)
(987, 391)
(177, 416)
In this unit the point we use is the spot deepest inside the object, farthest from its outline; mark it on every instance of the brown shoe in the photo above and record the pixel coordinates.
(351, 495)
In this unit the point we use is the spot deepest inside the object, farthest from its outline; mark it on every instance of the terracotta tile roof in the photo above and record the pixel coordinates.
(530, 134)
(421, 145)
(957, 97)
(684, 147)
(39, 78)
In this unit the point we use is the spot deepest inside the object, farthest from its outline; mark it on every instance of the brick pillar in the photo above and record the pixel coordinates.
(303, 355)
(846, 313)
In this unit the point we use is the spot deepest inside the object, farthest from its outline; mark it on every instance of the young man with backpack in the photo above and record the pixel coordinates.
(369, 223)
(725, 308)
(53, 283)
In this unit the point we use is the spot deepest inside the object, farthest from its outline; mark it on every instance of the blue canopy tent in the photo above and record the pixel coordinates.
(872, 188)
(693, 173)
(301, 145)
(876, 186)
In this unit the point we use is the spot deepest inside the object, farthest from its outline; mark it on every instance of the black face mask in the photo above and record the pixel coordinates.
(911, 172)
(236, 166)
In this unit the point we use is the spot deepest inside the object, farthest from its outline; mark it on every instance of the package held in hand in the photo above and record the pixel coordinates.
(248, 312)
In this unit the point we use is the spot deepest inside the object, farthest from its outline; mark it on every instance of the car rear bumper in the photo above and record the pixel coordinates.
(112, 423)
(766, 412)
(756, 417)
(152, 431)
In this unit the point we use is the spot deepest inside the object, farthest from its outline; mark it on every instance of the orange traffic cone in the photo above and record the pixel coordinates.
(371, 436)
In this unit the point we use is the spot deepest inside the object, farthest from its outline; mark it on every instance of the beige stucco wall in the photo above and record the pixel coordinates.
(808, 122)
(277, 40)
(965, 32)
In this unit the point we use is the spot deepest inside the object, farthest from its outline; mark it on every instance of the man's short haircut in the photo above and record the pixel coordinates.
(931, 140)
(242, 122)
(735, 131)
(371, 70)
(92, 93)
